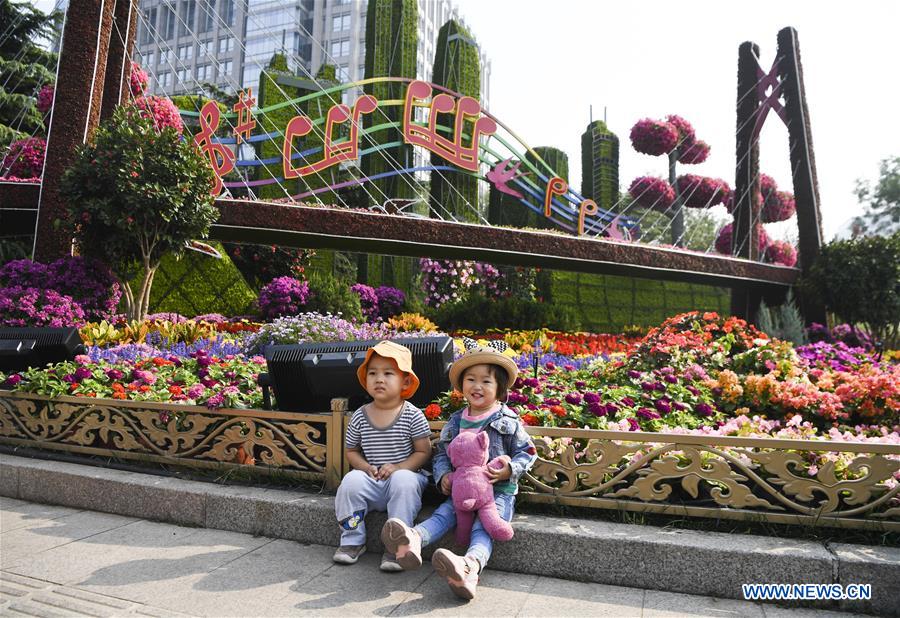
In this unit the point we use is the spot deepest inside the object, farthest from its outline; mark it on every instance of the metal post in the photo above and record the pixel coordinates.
(678, 216)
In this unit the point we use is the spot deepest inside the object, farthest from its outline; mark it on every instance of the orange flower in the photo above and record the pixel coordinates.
(558, 411)
(143, 388)
(118, 387)
(119, 395)
(432, 411)
(161, 362)
(175, 389)
(531, 419)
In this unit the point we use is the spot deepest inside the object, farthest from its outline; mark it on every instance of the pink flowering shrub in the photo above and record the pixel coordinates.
(24, 158)
(652, 192)
(694, 153)
(161, 110)
(723, 239)
(28, 306)
(283, 296)
(702, 191)
(368, 300)
(654, 137)
(138, 81)
(445, 281)
(781, 252)
(686, 134)
(778, 206)
(45, 99)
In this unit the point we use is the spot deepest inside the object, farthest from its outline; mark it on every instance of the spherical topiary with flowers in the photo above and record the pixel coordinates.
(686, 134)
(654, 137)
(45, 99)
(283, 296)
(778, 206)
(161, 110)
(781, 252)
(694, 153)
(652, 192)
(702, 191)
(139, 80)
(24, 158)
(723, 239)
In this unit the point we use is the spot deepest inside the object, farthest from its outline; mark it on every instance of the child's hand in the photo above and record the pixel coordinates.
(499, 474)
(385, 471)
(371, 471)
(446, 484)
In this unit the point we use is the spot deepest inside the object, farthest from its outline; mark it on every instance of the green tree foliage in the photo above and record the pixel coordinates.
(456, 67)
(859, 280)
(600, 165)
(136, 195)
(24, 67)
(391, 45)
(882, 201)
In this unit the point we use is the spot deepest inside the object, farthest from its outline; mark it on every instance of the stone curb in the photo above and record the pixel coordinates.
(704, 563)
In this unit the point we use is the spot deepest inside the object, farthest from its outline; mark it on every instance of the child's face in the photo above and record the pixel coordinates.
(384, 380)
(479, 387)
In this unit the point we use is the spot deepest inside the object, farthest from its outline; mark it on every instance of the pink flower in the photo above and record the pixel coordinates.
(652, 192)
(654, 137)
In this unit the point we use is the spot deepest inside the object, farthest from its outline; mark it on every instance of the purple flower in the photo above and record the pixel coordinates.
(114, 374)
(634, 375)
(195, 391)
(671, 379)
(578, 383)
(679, 406)
(368, 301)
(703, 409)
(648, 386)
(81, 373)
(284, 296)
(573, 398)
(663, 406)
(571, 367)
(144, 376)
(693, 390)
(597, 409)
(628, 402)
(531, 382)
(591, 397)
(551, 401)
(611, 408)
(647, 413)
(215, 401)
(12, 380)
(390, 301)
(634, 425)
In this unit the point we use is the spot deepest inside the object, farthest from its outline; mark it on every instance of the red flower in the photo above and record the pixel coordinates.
(531, 419)
(432, 411)
(558, 411)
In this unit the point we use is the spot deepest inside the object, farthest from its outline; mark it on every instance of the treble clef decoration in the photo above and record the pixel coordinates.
(220, 157)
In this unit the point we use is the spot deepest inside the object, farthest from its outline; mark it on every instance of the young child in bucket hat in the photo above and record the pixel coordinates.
(388, 442)
(484, 375)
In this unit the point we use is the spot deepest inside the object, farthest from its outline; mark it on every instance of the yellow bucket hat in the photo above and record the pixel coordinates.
(401, 355)
(482, 355)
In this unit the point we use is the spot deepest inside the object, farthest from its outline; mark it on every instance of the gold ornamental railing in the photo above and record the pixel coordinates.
(757, 479)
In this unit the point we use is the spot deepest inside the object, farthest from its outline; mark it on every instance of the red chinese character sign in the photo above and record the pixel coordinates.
(471, 142)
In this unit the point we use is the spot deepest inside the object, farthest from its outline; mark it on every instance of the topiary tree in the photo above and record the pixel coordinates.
(136, 194)
(456, 67)
(859, 280)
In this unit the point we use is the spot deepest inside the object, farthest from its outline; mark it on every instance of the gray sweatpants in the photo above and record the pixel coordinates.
(400, 495)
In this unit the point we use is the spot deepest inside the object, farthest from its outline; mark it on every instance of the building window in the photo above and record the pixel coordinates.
(340, 48)
(226, 45)
(182, 77)
(225, 69)
(339, 23)
(163, 56)
(203, 72)
(168, 22)
(209, 13)
(343, 73)
(188, 8)
(185, 52)
(164, 79)
(227, 11)
(147, 59)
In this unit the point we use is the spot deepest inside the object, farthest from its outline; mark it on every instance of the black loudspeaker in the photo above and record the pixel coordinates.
(307, 376)
(21, 348)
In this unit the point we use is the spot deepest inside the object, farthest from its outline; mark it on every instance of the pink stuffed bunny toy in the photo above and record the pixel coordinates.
(471, 487)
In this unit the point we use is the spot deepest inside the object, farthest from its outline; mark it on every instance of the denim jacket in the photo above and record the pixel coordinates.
(507, 437)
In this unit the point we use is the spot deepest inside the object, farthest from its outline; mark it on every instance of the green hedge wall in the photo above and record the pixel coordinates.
(198, 284)
(271, 93)
(391, 39)
(606, 303)
(457, 67)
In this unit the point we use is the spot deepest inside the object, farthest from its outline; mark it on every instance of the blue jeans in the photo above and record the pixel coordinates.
(400, 495)
(480, 544)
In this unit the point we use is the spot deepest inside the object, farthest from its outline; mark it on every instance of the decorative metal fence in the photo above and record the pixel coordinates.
(755, 479)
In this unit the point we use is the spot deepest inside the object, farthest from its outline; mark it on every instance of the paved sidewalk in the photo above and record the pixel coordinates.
(58, 561)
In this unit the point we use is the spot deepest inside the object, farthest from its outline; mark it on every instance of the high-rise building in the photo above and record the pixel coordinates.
(183, 43)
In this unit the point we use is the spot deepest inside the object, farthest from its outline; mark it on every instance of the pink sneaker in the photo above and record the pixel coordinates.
(404, 542)
(461, 572)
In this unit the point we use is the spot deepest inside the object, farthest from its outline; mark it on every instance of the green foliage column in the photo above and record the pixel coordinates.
(272, 93)
(391, 44)
(600, 165)
(457, 67)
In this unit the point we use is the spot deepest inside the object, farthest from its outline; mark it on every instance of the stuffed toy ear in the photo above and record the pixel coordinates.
(483, 439)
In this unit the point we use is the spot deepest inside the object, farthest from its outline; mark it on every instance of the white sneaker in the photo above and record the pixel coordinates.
(348, 554)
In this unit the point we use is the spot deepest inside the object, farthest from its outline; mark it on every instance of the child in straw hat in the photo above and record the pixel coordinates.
(388, 442)
(484, 375)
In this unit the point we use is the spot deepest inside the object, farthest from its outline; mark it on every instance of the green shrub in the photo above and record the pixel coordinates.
(479, 313)
(859, 280)
(332, 295)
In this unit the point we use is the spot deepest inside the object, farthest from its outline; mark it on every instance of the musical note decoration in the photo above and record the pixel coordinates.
(499, 176)
(587, 207)
(221, 159)
(333, 154)
(454, 151)
(245, 122)
(555, 186)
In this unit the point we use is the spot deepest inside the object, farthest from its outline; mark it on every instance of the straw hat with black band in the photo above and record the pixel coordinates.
(482, 355)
